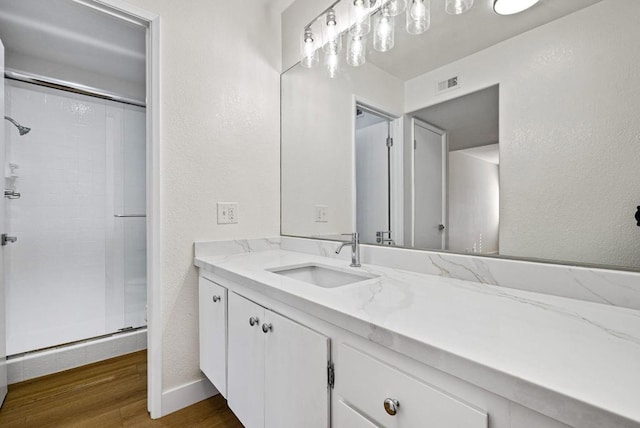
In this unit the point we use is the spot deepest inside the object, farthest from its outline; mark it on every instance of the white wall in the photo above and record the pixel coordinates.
(569, 134)
(474, 187)
(318, 164)
(219, 142)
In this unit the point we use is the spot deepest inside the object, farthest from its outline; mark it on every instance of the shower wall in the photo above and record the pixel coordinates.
(79, 263)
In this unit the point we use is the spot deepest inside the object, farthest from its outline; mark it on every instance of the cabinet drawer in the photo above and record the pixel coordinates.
(345, 417)
(365, 383)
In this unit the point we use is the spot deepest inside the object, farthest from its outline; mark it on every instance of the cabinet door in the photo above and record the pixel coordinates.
(245, 381)
(297, 393)
(212, 319)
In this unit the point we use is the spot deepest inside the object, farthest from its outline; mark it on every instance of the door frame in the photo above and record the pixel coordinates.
(396, 121)
(445, 180)
(121, 9)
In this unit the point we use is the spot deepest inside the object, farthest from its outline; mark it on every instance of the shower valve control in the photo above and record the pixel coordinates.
(4, 239)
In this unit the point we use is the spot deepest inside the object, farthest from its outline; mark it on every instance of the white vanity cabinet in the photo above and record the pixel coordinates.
(277, 369)
(380, 395)
(212, 321)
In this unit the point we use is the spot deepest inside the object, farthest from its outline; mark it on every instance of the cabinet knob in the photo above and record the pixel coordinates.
(266, 328)
(216, 299)
(391, 406)
(253, 321)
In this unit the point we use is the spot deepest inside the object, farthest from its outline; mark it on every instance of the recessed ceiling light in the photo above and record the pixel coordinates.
(509, 7)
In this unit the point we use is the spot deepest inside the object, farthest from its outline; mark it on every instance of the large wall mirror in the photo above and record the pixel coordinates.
(505, 136)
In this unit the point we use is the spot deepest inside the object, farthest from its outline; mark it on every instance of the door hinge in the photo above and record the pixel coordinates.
(331, 375)
(389, 142)
(415, 144)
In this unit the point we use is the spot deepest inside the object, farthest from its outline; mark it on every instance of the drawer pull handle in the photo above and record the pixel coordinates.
(216, 299)
(266, 328)
(391, 406)
(253, 321)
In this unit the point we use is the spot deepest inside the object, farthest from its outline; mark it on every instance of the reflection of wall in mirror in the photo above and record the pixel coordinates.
(318, 160)
(473, 204)
(569, 135)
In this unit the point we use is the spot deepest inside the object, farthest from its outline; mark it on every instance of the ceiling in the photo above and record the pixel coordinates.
(65, 32)
(470, 120)
(454, 37)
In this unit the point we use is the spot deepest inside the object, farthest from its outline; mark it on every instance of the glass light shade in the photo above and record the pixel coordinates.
(359, 17)
(332, 63)
(383, 32)
(331, 36)
(394, 7)
(509, 7)
(310, 54)
(456, 7)
(418, 16)
(356, 50)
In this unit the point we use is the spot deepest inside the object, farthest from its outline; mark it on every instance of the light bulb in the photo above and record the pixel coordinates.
(310, 55)
(360, 18)
(418, 17)
(457, 7)
(394, 7)
(383, 35)
(331, 36)
(356, 51)
(509, 7)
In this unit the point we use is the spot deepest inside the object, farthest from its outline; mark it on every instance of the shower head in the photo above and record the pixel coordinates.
(21, 129)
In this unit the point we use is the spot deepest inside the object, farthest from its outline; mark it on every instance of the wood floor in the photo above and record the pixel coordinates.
(110, 393)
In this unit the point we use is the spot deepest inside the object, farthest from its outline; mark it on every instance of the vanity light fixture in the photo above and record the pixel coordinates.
(418, 16)
(457, 7)
(510, 7)
(310, 54)
(324, 33)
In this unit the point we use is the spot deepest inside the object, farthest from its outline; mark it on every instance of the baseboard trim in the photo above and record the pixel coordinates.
(185, 395)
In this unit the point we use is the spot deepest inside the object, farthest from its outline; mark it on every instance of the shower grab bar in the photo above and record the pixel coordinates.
(129, 215)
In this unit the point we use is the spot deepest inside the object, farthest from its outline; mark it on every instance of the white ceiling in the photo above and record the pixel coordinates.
(489, 153)
(454, 37)
(67, 33)
(470, 120)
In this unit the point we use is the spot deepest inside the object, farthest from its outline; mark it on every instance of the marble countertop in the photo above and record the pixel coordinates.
(549, 353)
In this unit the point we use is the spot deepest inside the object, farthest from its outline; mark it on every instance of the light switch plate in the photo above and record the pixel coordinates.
(322, 214)
(227, 212)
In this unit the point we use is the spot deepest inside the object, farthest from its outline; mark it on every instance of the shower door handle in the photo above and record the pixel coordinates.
(4, 239)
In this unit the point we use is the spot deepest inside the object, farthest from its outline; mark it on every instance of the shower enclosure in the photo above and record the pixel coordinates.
(78, 267)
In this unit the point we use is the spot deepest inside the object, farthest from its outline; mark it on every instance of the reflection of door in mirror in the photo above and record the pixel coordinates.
(430, 186)
(456, 177)
(373, 179)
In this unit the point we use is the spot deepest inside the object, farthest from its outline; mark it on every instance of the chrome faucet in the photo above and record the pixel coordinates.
(355, 248)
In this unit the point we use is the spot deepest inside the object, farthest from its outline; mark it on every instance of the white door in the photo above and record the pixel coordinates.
(212, 320)
(245, 372)
(3, 229)
(296, 385)
(430, 184)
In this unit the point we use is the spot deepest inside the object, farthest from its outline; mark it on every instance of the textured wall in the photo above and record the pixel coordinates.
(569, 134)
(220, 64)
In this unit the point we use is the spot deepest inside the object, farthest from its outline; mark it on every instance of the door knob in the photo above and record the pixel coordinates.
(266, 328)
(441, 227)
(216, 299)
(391, 406)
(253, 321)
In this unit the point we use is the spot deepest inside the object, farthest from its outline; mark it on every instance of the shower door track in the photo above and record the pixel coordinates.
(63, 85)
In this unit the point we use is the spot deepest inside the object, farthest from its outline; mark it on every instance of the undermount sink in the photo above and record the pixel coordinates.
(321, 276)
